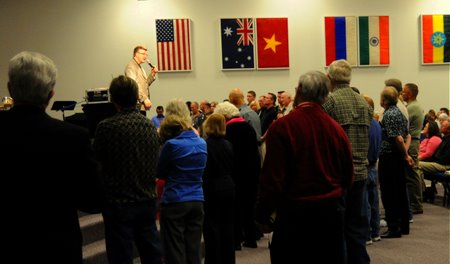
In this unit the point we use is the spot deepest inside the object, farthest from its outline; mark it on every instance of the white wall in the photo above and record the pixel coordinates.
(92, 41)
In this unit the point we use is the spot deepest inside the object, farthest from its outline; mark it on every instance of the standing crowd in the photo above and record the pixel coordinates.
(307, 169)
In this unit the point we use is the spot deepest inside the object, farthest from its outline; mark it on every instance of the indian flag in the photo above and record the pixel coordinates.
(340, 39)
(374, 40)
(435, 39)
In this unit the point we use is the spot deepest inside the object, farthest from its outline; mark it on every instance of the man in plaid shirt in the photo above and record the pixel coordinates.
(353, 113)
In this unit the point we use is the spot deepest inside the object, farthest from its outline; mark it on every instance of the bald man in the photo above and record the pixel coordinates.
(236, 97)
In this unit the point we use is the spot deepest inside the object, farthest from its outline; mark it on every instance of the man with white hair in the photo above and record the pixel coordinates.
(306, 172)
(51, 166)
(441, 118)
(352, 112)
(286, 104)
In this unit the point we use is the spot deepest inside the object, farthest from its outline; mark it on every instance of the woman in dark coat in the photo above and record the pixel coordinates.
(219, 192)
(245, 173)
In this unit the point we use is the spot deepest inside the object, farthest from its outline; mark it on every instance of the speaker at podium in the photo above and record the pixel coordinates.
(96, 112)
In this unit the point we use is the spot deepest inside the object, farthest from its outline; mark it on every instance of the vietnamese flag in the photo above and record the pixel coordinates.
(272, 43)
(435, 39)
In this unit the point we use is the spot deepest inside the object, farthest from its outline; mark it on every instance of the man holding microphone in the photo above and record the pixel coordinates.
(134, 71)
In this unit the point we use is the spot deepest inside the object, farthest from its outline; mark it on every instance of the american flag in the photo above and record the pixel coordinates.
(173, 37)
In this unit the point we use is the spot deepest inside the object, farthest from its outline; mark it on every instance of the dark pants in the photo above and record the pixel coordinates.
(391, 172)
(314, 232)
(245, 223)
(373, 202)
(128, 224)
(218, 227)
(181, 232)
(356, 223)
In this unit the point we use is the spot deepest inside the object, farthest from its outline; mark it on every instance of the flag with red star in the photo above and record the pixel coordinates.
(272, 43)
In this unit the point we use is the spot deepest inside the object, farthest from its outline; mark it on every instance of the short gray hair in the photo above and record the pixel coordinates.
(443, 117)
(313, 86)
(340, 71)
(178, 107)
(227, 109)
(32, 76)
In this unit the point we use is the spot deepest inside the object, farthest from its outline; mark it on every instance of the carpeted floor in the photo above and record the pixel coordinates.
(428, 242)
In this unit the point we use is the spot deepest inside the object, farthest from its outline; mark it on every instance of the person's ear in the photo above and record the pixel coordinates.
(50, 95)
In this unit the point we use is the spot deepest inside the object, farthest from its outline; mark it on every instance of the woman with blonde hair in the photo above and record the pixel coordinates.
(254, 105)
(181, 165)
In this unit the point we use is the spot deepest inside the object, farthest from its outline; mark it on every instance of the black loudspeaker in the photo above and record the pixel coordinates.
(96, 113)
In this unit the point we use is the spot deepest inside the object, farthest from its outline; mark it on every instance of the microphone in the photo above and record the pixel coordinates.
(150, 64)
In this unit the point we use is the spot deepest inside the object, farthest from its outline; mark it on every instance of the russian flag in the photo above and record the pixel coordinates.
(340, 39)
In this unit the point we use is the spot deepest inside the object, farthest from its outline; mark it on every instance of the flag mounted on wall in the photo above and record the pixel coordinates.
(435, 39)
(238, 50)
(341, 39)
(249, 43)
(173, 38)
(272, 43)
(373, 40)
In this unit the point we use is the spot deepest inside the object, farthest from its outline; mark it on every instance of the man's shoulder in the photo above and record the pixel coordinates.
(61, 128)
(132, 65)
(247, 112)
(414, 107)
(393, 114)
(391, 111)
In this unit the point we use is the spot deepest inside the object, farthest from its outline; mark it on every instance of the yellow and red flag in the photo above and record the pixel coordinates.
(273, 43)
(435, 39)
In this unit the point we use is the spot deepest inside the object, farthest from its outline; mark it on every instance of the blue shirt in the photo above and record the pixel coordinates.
(374, 142)
(181, 165)
(157, 119)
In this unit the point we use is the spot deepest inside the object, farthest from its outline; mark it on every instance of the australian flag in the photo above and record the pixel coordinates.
(238, 50)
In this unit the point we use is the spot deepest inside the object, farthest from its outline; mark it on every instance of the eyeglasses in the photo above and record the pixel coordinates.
(143, 53)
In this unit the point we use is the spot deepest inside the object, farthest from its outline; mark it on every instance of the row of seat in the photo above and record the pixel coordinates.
(435, 178)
